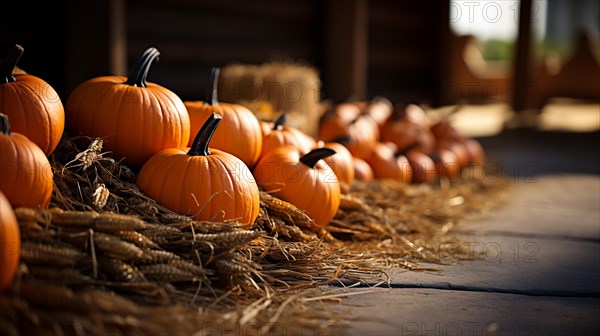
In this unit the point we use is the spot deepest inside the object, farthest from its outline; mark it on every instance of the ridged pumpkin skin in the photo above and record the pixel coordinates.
(135, 119)
(387, 164)
(239, 133)
(347, 122)
(33, 106)
(362, 171)
(10, 243)
(25, 173)
(315, 189)
(212, 185)
(341, 162)
(276, 134)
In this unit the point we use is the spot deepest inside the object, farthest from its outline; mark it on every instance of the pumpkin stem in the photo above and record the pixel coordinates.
(7, 67)
(213, 97)
(280, 121)
(139, 72)
(312, 157)
(205, 134)
(4, 125)
(407, 149)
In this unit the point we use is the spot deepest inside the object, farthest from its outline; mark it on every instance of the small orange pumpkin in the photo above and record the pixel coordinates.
(475, 151)
(305, 181)
(208, 184)
(388, 163)
(239, 133)
(341, 162)
(346, 121)
(10, 243)
(379, 109)
(136, 118)
(446, 164)
(422, 165)
(34, 108)
(362, 170)
(25, 173)
(408, 126)
(276, 134)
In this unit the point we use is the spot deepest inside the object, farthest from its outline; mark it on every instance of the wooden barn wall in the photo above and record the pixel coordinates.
(403, 62)
(194, 36)
(405, 49)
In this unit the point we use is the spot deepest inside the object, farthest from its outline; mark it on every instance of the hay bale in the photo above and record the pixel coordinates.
(272, 88)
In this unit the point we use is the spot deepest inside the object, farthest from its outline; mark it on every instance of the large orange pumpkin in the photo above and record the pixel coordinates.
(10, 243)
(25, 173)
(208, 184)
(306, 181)
(239, 133)
(388, 163)
(346, 121)
(34, 108)
(136, 118)
(341, 162)
(276, 134)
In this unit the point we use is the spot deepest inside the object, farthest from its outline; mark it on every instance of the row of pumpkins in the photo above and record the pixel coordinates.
(205, 158)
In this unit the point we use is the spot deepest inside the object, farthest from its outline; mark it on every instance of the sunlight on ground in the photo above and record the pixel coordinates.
(489, 120)
(570, 117)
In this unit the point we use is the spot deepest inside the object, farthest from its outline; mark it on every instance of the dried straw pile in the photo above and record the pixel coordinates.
(105, 259)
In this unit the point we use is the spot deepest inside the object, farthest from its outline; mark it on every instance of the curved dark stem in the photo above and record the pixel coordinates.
(344, 139)
(279, 121)
(4, 125)
(312, 157)
(9, 63)
(139, 72)
(202, 139)
(213, 97)
(407, 149)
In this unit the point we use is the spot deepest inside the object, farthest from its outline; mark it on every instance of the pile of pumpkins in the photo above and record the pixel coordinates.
(205, 158)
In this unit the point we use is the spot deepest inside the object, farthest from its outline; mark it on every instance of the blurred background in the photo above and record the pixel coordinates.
(526, 73)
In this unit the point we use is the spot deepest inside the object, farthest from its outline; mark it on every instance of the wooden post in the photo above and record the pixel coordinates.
(346, 49)
(97, 44)
(522, 65)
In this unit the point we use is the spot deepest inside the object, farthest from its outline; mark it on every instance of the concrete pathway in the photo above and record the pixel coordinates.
(540, 274)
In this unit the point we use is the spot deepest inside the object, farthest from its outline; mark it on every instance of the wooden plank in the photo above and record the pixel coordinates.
(522, 65)
(346, 49)
(98, 45)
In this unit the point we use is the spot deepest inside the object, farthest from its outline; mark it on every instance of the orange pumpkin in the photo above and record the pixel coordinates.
(379, 109)
(10, 243)
(423, 167)
(25, 173)
(341, 162)
(362, 170)
(239, 133)
(475, 151)
(276, 134)
(305, 181)
(208, 184)
(388, 163)
(34, 108)
(446, 164)
(346, 121)
(407, 126)
(136, 119)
